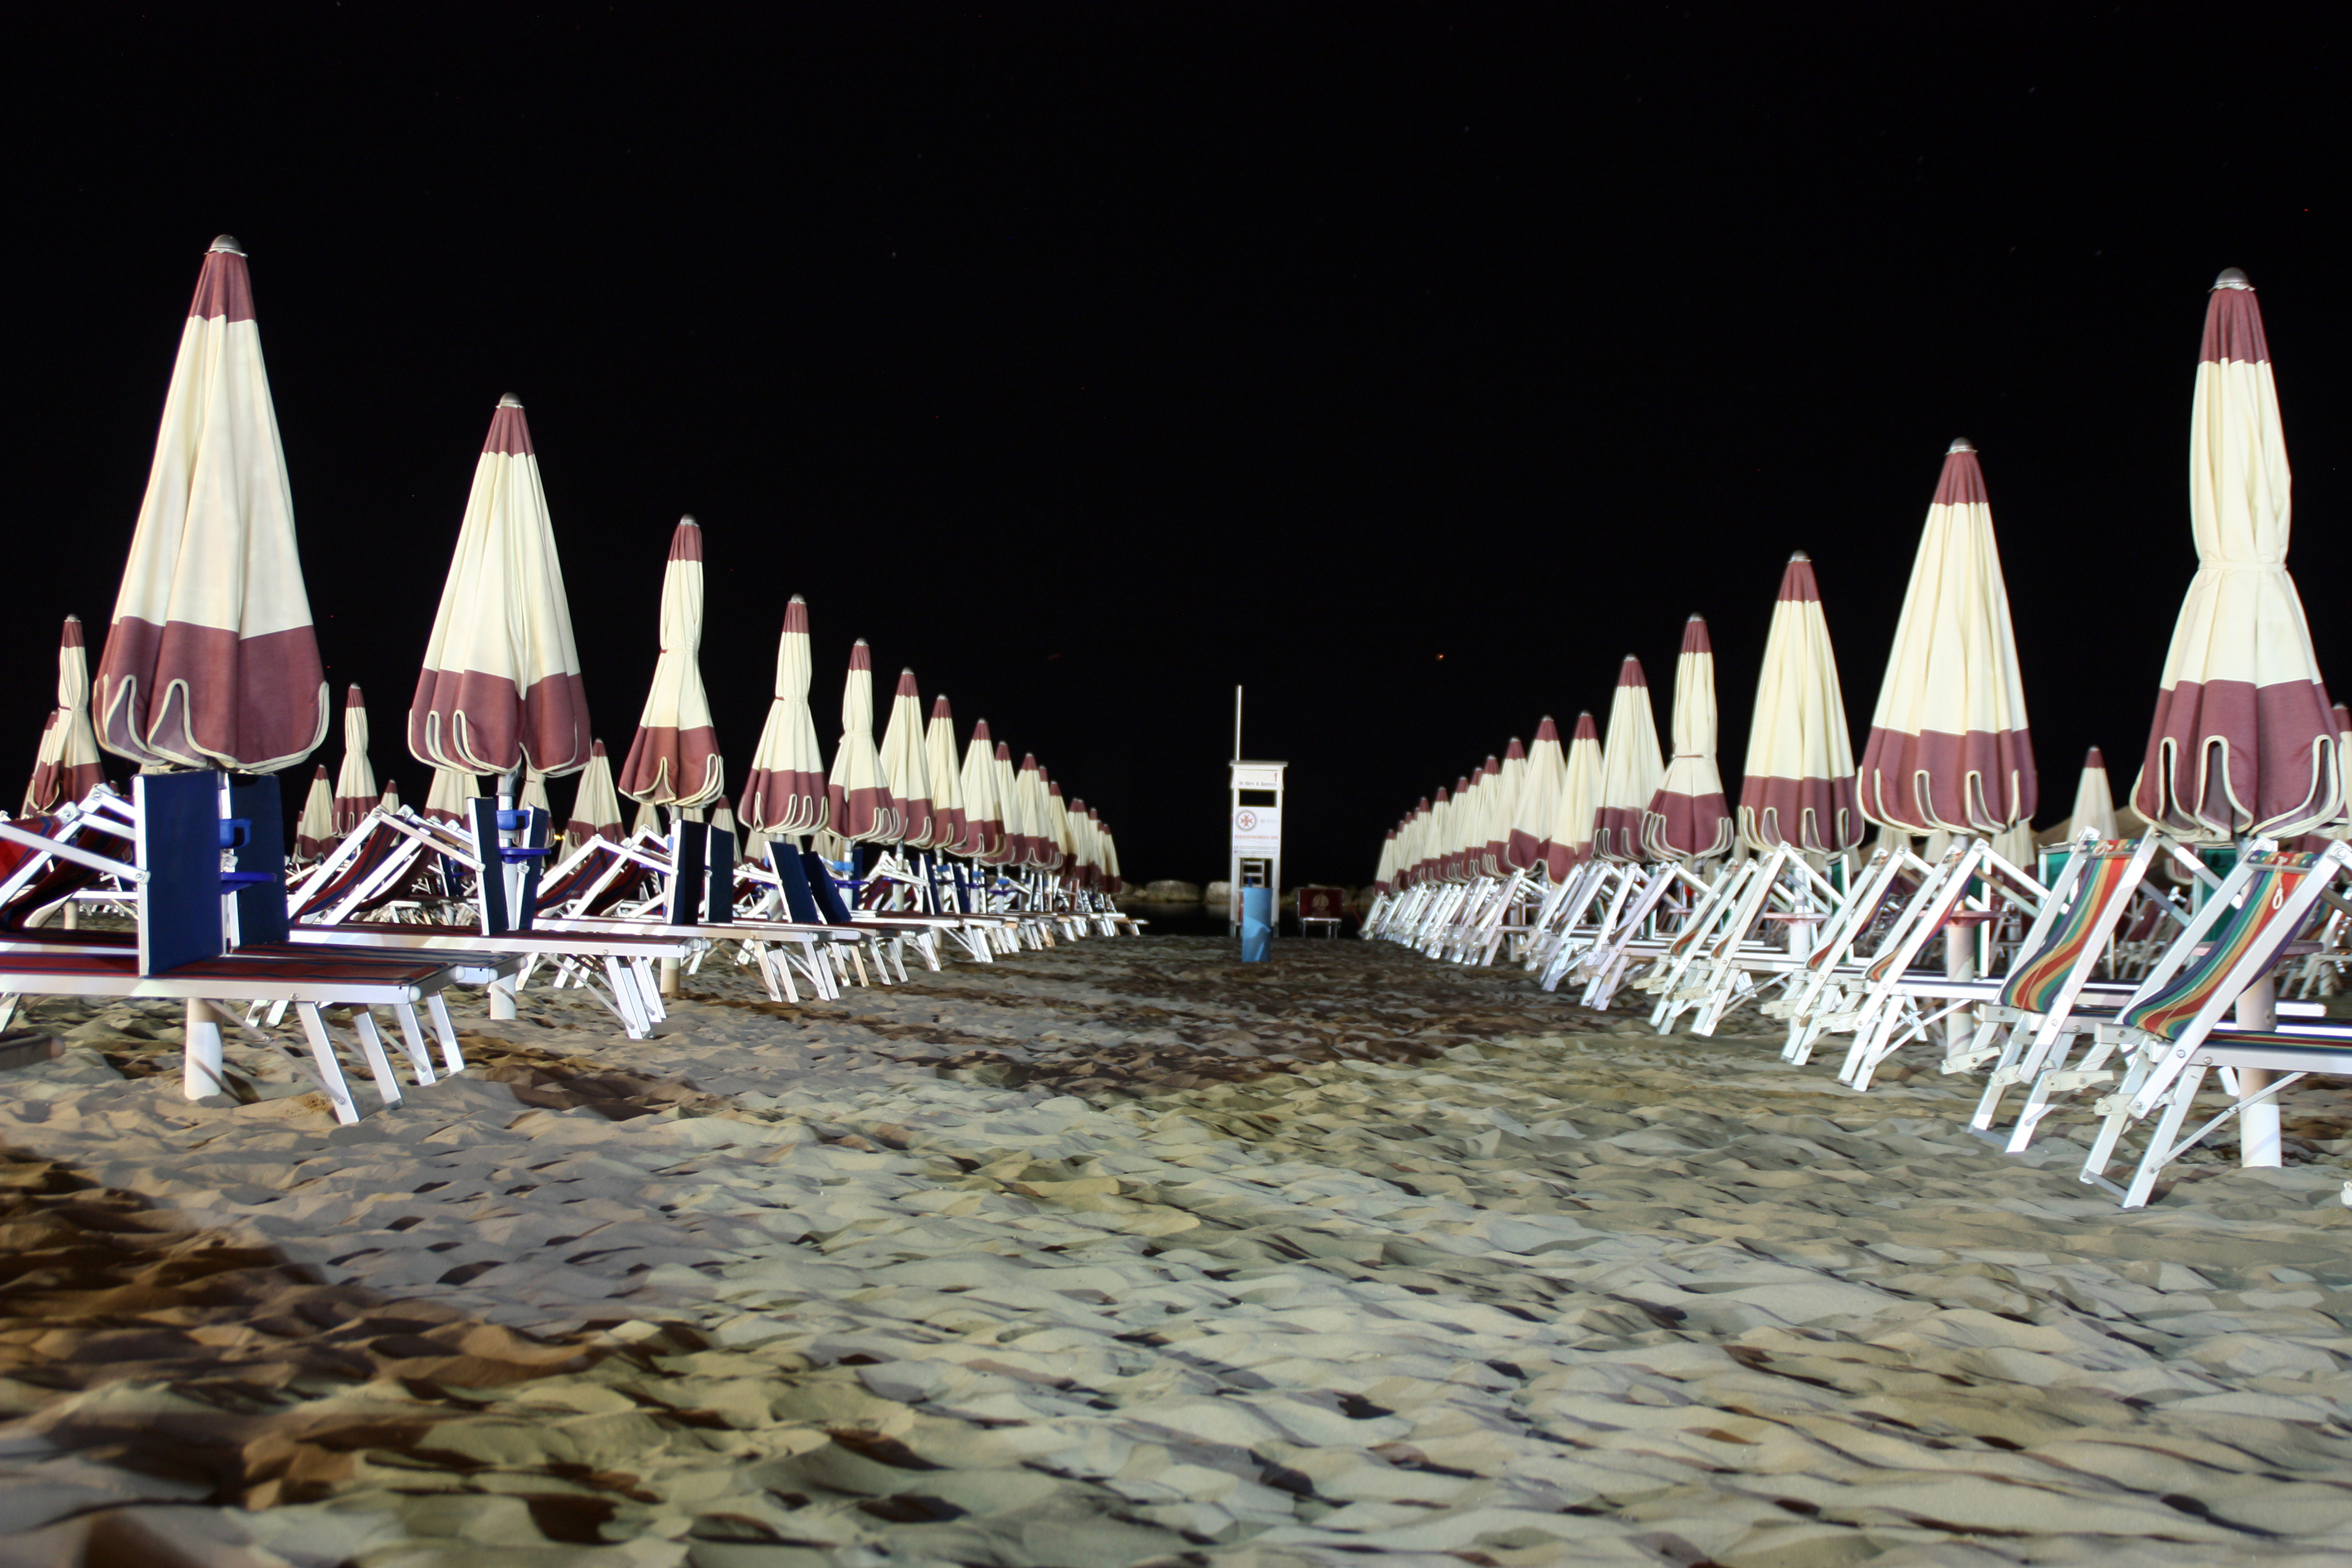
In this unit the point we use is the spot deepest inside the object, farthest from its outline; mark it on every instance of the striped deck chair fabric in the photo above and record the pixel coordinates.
(2254, 924)
(2033, 986)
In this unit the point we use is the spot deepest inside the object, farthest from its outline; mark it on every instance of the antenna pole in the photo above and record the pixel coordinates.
(1238, 724)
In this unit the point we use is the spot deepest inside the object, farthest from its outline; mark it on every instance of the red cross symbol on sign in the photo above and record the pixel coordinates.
(1245, 820)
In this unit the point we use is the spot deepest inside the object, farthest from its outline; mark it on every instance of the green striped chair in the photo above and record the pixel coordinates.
(2173, 1027)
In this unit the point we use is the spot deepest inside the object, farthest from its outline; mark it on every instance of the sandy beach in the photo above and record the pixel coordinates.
(1126, 1253)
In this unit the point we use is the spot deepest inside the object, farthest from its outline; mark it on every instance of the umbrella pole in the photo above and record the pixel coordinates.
(201, 1053)
(502, 989)
(2258, 1124)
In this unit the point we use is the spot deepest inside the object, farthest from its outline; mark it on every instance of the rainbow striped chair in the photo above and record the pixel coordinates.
(2172, 1028)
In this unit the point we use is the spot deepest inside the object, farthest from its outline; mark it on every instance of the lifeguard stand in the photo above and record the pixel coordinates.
(1256, 832)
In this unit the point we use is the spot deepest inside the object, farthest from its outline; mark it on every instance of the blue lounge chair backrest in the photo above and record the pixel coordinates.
(828, 892)
(793, 877)
(718, 880)
(689, 843)
(179, 848)
(257, 800)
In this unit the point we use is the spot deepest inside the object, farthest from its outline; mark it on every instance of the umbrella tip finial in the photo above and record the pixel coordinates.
(226, 245)
(2233, 278)
(686, 521)
(1959, 444)
(1797, 555)
(509, 400)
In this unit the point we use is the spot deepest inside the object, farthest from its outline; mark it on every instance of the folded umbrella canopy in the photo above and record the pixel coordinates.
(1036, 829)
(1438, 847)
(41, 791)
(1538, 801)
(1384, 874)
(983, 814)
(1568, 838)
(1950, 751)
(1687, 819)
(785, 793)
(595, 804)
(212, 660)
(863, 811)
(391, 801)
(947, 783)
(2244, 741)
(1058, 830)
(70, 766)
(2095, 801)
(534, 794)
(674, 760)
(1631, 768)
(1504, 806)
(500, 688)
(314, 829)
(905, 770)
(1798, 788)
(1015, 815)
(355, 790)
(445, 800)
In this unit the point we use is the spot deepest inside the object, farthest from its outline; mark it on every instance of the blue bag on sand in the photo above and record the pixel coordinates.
(1258, 924)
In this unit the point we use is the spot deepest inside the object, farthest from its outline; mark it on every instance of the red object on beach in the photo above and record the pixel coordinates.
(1798, 787)
(673, 759)
(1687, 819)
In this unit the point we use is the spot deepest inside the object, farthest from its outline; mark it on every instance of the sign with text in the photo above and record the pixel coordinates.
(1257, 829)
(1257, 775)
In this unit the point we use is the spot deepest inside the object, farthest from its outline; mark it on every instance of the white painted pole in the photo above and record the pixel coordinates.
(2258, 1125)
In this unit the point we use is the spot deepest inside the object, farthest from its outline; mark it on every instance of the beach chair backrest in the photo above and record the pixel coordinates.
(2240, 934)
(1933, 900)
(179, 829)
(826, 890)
(2080, 913)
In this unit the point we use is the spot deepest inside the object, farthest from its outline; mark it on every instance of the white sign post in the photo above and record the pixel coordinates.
(1255, 832)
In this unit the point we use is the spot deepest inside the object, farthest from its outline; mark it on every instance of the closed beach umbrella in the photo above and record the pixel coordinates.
(500, 688)
(1949, 749)
(2246, 740)
(314, 829)
(1035, 829)
(595, 805)
(1539, 799)
(906, 769)
(1016, 850)
(1568, 840)
(391, 801)
(212, 660)
(445, 801)
(673, 759)
(984, 816)
(863, 811)
(1631, 767)
(1439, 847)
(2095, 801)
(1504, 807)
(946, 778)
(355, 790)
(41, 791)
(1687, 819)
(79, 768)
(1799, 788)
(786, 791)
(1061, 840)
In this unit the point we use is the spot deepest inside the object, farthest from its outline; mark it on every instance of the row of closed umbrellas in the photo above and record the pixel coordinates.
(2244, 743)
(212, 659)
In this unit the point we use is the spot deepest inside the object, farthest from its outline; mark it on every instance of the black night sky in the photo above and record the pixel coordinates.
(1090, 359)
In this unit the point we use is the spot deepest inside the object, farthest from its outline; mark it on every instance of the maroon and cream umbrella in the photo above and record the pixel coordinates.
(595, 804)
(355, 790)
(1058, 832)
(905, 770)
(785, 793)
(983, 814)
(1950, 751)
(1631, 768)
(41, 791)
(314, 829)
(1438, 850)
(391, 801)
(2094, 799)
(500, 688)
(2244, 743)
(1799, 785)
(1568, 840)
(1501, 803)
(1384, 874)
(674, 760)
(1035, 829)
(863, 811)
(445, 801)
(946, 778)
(1009, 803)
(79, 768)
(1687, 819)
(1413, 859)
(212, 660)
(1106, 854)
(1539, 799)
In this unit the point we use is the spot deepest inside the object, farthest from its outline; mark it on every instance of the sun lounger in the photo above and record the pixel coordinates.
(2172, 1031)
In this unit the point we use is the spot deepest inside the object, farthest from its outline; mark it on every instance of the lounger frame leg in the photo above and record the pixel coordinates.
(329, 1068)
(453, 1060)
